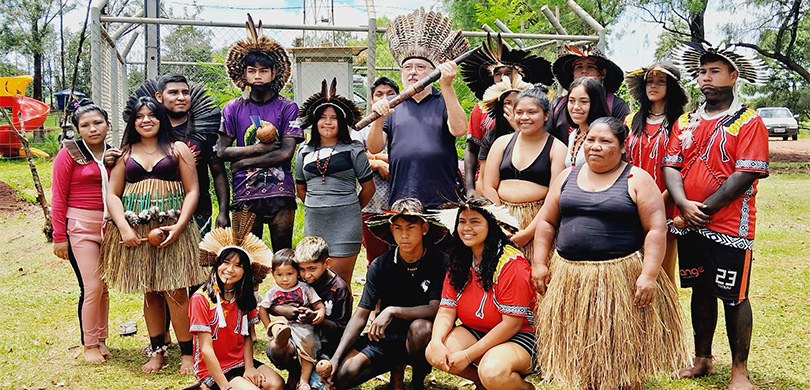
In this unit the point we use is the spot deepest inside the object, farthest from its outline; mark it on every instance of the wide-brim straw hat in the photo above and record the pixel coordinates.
(380, 224)
(239, 237)
(563, 67)
(636, 80)
(448, 213)
(257, 42)
(478, 69)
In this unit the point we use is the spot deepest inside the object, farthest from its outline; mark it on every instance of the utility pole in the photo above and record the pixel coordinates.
(152, 38)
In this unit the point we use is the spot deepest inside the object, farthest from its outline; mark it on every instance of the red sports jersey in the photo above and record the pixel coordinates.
(707, 150)
(512, 294)
(229, 343)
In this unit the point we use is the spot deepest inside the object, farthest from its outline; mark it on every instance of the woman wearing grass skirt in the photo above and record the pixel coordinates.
(609, 318)
(152, 195)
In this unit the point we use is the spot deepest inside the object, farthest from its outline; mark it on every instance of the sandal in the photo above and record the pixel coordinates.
(129, 328)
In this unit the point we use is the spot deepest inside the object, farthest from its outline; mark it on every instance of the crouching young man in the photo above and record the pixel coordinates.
(406, 281)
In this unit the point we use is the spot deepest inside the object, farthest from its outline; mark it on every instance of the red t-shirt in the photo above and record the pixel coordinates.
(647, 151)
(512, 294)
(229, 343)
(707, 153)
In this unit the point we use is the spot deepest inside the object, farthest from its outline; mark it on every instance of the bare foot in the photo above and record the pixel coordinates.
(701, 366)
(154, 364)
(740, 379)
(186, 365)
(102, 347)
(93, 355)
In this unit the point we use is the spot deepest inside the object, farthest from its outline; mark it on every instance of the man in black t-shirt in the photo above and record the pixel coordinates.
(406, 281)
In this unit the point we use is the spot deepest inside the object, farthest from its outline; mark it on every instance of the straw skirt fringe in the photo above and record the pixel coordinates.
(525, 213)
(147, 268)
(591, 336)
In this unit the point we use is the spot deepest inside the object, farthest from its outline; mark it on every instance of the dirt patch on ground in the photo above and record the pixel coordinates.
(9, 201)
(790, 151)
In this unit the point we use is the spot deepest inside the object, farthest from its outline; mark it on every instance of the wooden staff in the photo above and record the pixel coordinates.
(417, 87)
(48, 228)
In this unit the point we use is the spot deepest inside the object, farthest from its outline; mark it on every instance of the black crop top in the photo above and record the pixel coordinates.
(539, 172)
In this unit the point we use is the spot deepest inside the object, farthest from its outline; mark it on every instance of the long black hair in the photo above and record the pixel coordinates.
(675, 101)
(243, 290)
(131, 135)
(462, 257)
(343, 135)
(597, 95)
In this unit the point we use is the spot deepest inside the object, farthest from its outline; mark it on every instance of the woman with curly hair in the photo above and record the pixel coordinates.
(488, 289)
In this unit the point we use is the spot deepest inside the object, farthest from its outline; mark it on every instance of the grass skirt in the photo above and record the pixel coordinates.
(591, 336)
(525, 213)
(146, 268)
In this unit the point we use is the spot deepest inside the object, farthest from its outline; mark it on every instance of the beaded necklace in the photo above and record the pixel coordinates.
(322, 168)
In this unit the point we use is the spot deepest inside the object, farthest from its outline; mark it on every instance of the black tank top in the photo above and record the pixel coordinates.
(600, 225)
(539, 172)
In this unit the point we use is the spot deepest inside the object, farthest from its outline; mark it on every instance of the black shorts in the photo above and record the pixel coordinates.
(525, 340)
(387, 352)
(230, 374)
(704, 263)
(266, 208)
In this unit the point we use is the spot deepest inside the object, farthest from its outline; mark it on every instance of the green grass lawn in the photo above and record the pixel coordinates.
(39, 335)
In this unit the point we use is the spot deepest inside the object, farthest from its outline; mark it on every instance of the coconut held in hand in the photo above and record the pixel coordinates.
(266, 133)
(324, 368)
(156, 236)
(679, 222)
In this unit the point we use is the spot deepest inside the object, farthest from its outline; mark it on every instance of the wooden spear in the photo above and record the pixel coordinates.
(48, 228)
(417, 87)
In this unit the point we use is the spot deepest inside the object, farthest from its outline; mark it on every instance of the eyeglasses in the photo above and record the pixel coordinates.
(418, 67)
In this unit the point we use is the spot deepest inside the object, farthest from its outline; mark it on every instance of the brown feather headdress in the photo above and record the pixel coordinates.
(257, 42)
(563, 67)
(478, 69)
(427, 35)
(328, 97)
(750, 68)
(238, 236)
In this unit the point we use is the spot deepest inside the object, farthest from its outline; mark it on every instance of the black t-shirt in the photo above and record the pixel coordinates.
(337, 298)
(203, 150)
(389, 282)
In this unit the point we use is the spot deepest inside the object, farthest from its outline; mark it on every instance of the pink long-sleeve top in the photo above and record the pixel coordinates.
(73, 185)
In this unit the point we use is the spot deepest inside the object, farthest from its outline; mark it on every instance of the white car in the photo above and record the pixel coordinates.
(780, 122)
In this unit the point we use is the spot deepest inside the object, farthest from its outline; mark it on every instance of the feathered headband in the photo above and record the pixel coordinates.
(494, 93)
(257, 42)
(426, 35)
(203, 114)
(379, 224)
(448, 214)
(478, 69)
(239, 237)
(328, 97)
(636, 80)
(563, 68)
(750, 68)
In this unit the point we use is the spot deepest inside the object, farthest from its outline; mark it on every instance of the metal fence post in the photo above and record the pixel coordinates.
(95, 51)
(371, 57)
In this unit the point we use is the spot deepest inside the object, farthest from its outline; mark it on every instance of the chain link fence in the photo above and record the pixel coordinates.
(197, 49)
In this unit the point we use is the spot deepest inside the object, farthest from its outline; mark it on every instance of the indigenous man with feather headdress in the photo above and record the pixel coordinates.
(422, 130)
(265, 128)
(715, 157)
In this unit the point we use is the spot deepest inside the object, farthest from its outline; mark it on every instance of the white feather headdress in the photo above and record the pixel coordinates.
(750, 68)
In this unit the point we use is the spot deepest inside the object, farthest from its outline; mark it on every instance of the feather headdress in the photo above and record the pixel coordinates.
(257, 42)
(238, 236)
(379, 224)
(328, 97)
(478, 69)
(750, 68)
(563, 68)
(448, 214)
(427, 35)
(203, 114)
(494, 93)
(636, 80)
